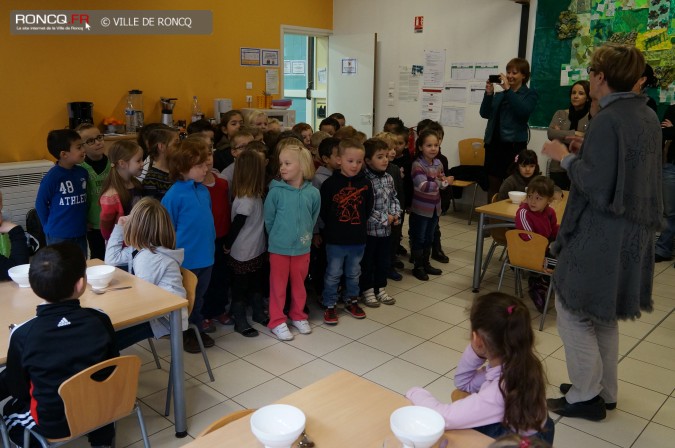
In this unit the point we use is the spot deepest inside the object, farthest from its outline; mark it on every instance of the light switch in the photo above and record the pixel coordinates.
(249, 85)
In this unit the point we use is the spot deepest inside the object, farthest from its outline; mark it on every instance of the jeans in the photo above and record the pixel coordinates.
(376, 263)
(664, 245)
(96, 244)
(80, 241)
(497, 430)
(133, 335)
(203, 279)
(421, 231)
(215, 297)
(342, 259)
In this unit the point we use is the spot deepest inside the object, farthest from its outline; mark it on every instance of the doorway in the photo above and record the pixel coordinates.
(305, 80)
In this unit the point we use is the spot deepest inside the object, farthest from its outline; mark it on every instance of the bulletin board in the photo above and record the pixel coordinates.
(567, 31)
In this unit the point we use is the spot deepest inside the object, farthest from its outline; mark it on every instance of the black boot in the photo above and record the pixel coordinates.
(418, 270)
(428, 268)
(438, 254)
(241, 324)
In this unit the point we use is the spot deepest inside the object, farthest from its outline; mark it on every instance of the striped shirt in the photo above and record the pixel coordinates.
(426, 192)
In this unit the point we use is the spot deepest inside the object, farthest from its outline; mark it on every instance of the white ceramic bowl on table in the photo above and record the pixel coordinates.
(100, 276)
(417, 426)
(277, 425)
(517, 196)
(19, 274)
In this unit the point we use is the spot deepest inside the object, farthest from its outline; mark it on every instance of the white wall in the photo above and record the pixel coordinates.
(469, 30)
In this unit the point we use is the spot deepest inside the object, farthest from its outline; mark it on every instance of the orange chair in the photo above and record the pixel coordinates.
(471, 153)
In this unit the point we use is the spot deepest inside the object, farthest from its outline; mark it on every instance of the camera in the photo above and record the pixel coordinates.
(495, 79)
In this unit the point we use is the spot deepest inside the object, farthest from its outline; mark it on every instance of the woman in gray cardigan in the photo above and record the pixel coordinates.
(569, 122)
(605, 246)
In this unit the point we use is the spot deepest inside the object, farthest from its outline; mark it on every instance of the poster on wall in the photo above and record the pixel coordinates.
(434, 68)
(250, 57)
(408, 85)
(272, 81)
(461, 71)
(297, 67)
(349, 66)
(476, 93)
(485, 69)
(454, 92)
(431, 104)
(269, 58)
(287, 67)
(453, 116)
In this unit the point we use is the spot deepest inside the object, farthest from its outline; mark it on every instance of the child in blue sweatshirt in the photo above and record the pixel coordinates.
(61, 201)
(189, 204)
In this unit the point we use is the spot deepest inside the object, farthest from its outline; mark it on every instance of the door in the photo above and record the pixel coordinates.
(351, 79)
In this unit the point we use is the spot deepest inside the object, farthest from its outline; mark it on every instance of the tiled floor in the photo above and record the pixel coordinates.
(418, 341)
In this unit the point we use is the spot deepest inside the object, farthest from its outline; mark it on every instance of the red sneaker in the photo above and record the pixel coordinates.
(224, 319)
(355, 310)
(330, 316)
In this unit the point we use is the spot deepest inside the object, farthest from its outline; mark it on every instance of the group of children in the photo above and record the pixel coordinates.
(274, 223)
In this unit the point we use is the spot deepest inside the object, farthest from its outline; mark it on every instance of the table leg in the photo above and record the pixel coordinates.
(478, 260)
(178, 374)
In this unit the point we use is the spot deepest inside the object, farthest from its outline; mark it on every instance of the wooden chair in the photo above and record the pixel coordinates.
(529, 256)
(90, 404)
(471, 153)
(190, 285)
(226, 420)
(498, 235)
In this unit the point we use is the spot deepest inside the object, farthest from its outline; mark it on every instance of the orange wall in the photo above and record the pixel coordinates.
(40, 74)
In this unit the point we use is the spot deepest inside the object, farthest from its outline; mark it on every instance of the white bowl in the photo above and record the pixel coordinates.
(100, 276)
(20, 275)
(277, 425)
(417, 426)
(517, 196)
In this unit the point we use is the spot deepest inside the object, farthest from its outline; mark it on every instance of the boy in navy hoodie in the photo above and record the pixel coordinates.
(61, 201)
(346, 203)
(60, 341)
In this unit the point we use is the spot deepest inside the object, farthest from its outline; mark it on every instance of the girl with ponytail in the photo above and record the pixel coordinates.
(508, 395)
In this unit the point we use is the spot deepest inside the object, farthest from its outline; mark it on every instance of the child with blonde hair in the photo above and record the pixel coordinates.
(274, 125)
(189, 205)
(245, 243)
(291, 209)
(257, 119)
(146, 242)
(121, 190)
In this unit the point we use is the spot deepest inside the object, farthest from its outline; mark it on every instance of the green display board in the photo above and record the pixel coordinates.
(563, 44)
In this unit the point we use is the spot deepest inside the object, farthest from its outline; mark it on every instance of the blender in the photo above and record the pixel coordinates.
(167, 110)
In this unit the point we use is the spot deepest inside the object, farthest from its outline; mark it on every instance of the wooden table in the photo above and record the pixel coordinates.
(342, 410)
(125, 308)
(504, 211)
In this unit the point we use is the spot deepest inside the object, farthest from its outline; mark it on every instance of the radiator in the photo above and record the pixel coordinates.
(19, 182)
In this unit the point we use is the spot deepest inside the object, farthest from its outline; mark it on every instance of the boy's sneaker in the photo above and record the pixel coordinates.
(398, 264)
(224, 319)
(383, 297)
(401, 251)
(282, 332)
(538, 298)
(330, 316)
(355, 310)
(302, 326)
(369, 299)
(208, 326)
(394, 275)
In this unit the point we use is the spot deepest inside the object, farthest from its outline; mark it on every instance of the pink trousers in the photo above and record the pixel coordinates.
(283, 268)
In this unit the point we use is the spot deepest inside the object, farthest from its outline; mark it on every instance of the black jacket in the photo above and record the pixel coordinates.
(62, 340)
(346, 203)
(18, 253)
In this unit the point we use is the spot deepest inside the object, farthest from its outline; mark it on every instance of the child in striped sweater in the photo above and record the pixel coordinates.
(428, 179)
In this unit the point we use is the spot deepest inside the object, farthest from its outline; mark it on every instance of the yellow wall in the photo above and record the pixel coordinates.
(40, 74)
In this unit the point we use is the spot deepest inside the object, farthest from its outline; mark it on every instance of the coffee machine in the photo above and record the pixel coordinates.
(167, 110)
(80, 112)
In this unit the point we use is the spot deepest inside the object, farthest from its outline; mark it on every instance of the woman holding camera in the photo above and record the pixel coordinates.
(569, 122)
(507, 112)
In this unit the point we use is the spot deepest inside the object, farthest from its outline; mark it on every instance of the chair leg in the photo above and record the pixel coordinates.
(493, 246)
(473, 202)
(452, 200)
(154, 353)
(27, 436)
(501, 275)
(5, 436)
(201, 347)
(548, 297)
(141, 423)
(501, 257)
